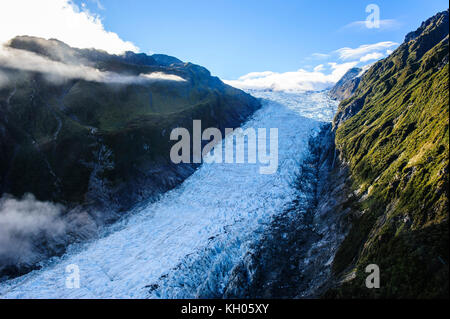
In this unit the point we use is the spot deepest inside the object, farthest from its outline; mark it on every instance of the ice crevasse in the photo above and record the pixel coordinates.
(186, 244)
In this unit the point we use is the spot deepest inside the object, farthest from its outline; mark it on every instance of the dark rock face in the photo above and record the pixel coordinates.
(293, 259)
(347, 85)
(98, 147)
(351, 109)
(440, 20)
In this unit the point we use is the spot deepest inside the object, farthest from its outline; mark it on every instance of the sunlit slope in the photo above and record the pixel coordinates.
(393, 133)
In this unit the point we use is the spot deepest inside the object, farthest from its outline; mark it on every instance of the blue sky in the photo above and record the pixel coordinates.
(289, 45)
(232, 38)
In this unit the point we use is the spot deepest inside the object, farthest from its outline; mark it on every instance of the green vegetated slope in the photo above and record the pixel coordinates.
(73, 141)
(393, 134)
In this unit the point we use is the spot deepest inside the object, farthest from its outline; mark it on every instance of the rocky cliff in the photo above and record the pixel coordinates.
(347, 85)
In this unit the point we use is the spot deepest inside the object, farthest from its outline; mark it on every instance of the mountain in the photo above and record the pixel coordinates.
(347, 85)
(166, 60)
(392, 134)
(91, 131)
(374, 189)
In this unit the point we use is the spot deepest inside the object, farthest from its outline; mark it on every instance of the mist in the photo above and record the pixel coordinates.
(57, 71)
(3, 79)
(22, 223)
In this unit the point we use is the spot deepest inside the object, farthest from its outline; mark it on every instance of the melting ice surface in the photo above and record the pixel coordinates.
(187, 243)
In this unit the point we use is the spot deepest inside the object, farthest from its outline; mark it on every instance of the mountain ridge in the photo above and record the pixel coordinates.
(346, 85)
(392, 133)
(378, 179)
(91, 131)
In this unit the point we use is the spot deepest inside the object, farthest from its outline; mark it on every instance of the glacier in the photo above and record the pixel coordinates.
(185, 244)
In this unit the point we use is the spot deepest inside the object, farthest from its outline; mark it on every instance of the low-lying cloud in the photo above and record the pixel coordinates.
(160, 76)
(56, 71)
(322, 76)
(297, 81)
(22, 222)
(33, 230)
(371, 56)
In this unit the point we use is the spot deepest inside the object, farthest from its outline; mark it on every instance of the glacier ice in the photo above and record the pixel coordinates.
(186, 243)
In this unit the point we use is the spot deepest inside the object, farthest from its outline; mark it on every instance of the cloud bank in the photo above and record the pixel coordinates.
(371, 56)
(300, 80)
(322, 76)
(60, 19)
(56, 71)
(357, 53)
(32, 230)
(21, 223)
(160, 76)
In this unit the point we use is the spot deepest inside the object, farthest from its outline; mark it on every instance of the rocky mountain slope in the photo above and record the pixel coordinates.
(378, 188)
(91, 131)
(393, 136)
(347, 85)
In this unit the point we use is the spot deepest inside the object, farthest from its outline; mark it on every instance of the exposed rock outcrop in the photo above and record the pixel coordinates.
(347, 85)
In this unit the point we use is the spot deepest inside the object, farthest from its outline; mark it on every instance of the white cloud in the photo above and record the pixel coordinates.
(323, 76)
(58, 71)
(300, 80)
(21, 222)
(371, 56)
(60, 19)
(253, 75)
(359, 52)
(385, 24)
(160, 76)
(319, 68)
(320, 55)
